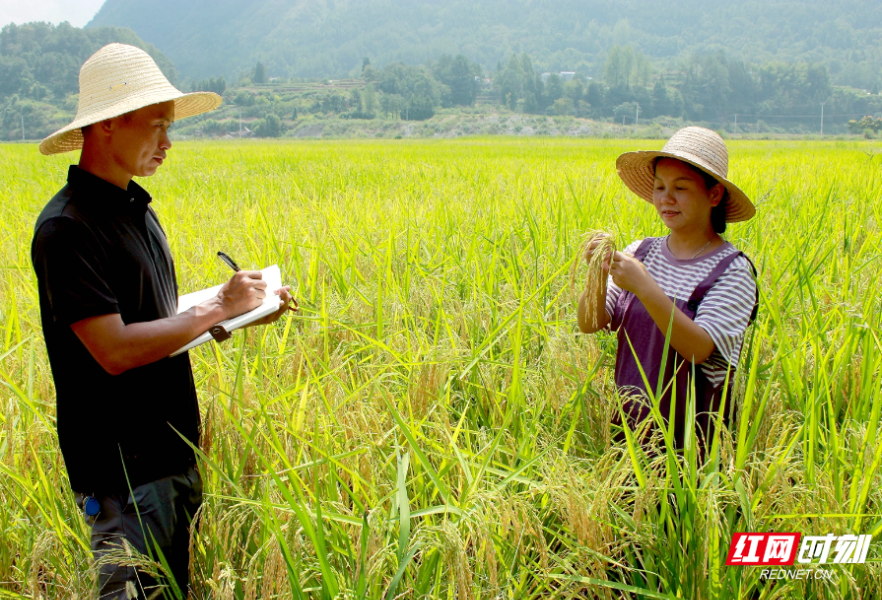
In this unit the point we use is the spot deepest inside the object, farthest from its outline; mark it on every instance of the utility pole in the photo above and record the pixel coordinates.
(22, 126)
(636, 115)
(736, 124)
(822, 119)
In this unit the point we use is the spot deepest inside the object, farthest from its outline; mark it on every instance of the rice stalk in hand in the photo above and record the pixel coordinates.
(606, 245)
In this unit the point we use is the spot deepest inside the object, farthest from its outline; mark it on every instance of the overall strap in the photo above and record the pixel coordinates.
(755, 277)
(643, 248)
(702, 288)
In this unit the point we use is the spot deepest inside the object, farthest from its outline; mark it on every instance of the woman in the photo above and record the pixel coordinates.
(693, 274)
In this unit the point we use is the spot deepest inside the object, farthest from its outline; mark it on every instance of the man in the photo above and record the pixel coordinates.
(127, 413)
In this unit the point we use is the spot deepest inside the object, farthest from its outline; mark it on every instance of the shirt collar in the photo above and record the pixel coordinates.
(105, 194)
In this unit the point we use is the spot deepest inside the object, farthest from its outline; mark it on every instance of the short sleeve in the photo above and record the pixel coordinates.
(70, 272)
(725, 311)
(612, 290)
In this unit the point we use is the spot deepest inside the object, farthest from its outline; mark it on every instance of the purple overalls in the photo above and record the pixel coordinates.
(632, 322)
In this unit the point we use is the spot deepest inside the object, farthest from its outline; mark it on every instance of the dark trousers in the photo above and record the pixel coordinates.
(153, 518)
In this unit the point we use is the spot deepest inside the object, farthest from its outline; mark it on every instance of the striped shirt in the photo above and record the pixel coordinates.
(725, 311)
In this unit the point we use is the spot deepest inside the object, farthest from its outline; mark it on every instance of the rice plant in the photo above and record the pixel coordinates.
(432, 424)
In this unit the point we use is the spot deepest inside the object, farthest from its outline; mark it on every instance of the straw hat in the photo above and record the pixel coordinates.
(119, 79)
(700, 148)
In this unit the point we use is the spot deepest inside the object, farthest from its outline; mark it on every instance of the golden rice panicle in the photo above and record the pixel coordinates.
(606, 245)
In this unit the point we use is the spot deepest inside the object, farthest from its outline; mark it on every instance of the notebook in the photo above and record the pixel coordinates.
(273, 278)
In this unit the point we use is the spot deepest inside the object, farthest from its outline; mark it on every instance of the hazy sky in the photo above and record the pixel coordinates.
(78, 12)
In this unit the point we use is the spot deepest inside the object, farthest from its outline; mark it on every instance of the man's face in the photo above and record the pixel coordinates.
(140, 139)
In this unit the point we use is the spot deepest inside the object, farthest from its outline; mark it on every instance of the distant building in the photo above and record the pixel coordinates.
(564, 75)
(244, 133)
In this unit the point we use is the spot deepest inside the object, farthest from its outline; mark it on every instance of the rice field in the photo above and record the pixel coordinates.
(432, 424)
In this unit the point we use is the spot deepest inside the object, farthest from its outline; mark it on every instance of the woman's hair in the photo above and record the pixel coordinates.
(718, 212)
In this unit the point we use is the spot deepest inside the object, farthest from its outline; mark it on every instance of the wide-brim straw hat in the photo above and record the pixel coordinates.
(118, 79)
(701, 148)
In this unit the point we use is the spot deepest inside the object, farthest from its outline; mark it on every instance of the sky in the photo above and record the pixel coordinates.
(78, 12)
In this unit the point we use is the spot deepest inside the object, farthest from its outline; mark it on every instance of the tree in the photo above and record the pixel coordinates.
(359, 100)
(531, 106)
(626, 111)
(217, 85)
(270, 126)
(618, 66)
(553, 89)
(52, 56)
(460, 77)
(595, 94)
(661, 103)
(562, 107)
(574, 90)
(259, 73)
(742, 94)
(369, 99)
(642, 71)
(369, 73)
(391, 104)
(509, 83)
(418, 108)
(405, 80)
(613, 68)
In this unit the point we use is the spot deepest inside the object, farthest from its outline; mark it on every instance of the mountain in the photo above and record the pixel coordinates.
(39, 60)
(39, 73)
(330, 38)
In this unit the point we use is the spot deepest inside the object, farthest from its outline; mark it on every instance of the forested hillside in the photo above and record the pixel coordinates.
(39, 72)
(276, 63)
(329, 38)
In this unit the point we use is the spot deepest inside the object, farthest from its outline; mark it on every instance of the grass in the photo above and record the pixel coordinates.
(431, 424)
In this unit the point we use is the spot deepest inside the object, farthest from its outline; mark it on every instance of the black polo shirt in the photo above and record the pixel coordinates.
(99, 249)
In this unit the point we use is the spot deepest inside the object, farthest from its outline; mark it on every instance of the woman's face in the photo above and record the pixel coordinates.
(681, 198)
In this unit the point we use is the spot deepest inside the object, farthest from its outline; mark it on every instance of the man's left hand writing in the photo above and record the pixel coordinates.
(286, 303)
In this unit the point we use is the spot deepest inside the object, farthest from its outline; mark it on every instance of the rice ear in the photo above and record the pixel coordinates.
(607, 244)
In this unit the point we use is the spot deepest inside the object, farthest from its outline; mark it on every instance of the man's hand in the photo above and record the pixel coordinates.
(243, 292)
(285, 304)
(118, 347)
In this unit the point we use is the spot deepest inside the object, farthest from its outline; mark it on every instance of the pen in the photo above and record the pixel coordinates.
(229, 261)
(232, 264)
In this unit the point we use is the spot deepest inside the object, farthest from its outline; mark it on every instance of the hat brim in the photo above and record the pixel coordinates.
(70, 137)
(636, 170)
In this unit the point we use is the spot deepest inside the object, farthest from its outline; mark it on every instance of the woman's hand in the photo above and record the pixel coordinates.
(592, 246)
(630, 274)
